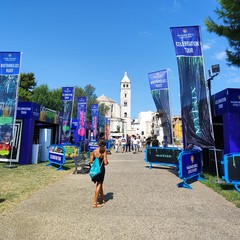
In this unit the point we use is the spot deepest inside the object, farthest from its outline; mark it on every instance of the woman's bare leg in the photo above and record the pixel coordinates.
(102, 195)
(97, 192)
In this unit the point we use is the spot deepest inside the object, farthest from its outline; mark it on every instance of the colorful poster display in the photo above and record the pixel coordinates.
(67, 101)
(9, 82)
(195, 106)
(82, 112)
(158, 82)
(94, 108)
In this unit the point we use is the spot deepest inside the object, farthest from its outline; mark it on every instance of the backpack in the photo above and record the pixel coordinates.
(95, 168)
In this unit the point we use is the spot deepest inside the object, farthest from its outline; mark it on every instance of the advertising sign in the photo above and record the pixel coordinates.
(9, 81)
(67, 101)
(190, 164)
(158, 82)
(195, 106)
(10, 63)
(187, 41)
(94, 120)
(56, 155)
(82, 111)
(164, 156)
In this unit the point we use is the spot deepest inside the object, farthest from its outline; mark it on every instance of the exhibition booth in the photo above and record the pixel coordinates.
(36, 127)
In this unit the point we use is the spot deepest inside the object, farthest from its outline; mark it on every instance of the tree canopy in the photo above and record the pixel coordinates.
(52, 99)
(229, 13)
(26, 86)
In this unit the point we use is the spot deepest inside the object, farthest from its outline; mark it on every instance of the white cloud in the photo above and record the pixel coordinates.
(206, 46)
(230, 75)
(220, 55)
(210, 43)
(234, 80)
(145, 34)
(176, 4)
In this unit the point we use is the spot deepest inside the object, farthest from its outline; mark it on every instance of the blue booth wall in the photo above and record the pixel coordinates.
(227, 104)
(30, 113)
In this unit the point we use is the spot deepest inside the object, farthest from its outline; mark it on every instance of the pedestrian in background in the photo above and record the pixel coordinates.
(165, 141)
(128, 145)
(148, 141)
(139, 143)
(117, 144)
(155, 142)
(135, 144)
(123, 143)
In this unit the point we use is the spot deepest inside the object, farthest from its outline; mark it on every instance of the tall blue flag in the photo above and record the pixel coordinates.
(82, 112)
(9, 83)
(158, 82)
(67, 102)
(94, 108)
(195, 106)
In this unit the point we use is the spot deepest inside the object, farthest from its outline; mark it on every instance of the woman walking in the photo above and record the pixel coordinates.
(101, 154)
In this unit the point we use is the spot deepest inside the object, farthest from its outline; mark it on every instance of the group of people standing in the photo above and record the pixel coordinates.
(128, 144)
(154, 142)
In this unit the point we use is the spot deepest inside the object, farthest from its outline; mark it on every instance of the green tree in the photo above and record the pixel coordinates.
(42, 95)
(47, 98)
(103, 109)
(89, 92)
(91, 99)
(229, 12)
(78, 92)
(26, 86)
(56, 99)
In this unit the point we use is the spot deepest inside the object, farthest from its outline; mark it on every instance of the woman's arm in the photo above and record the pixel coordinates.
(105, 158)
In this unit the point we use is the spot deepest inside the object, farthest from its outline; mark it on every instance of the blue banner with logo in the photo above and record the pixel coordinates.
(187, 41)
(158, 82)
(10, 63)
(82, 113)
(226, 101)
(195, 107)
(67, 101)
(9, 82)
(190, 164)
(94, 108)
(67, 93)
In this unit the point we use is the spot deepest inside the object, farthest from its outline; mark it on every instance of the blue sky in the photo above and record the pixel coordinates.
(80, 42)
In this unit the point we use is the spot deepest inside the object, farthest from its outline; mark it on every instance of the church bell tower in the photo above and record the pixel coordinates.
(125, 102)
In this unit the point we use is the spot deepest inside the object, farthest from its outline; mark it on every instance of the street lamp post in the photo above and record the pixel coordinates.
(215, 70)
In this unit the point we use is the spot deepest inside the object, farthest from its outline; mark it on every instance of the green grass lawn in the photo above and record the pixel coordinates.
(224, 189)
(21, 182)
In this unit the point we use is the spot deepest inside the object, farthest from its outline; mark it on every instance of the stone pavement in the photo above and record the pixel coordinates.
(142, 203)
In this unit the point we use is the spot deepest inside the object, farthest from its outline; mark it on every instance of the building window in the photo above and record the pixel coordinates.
(127, 85)
(123, 85)
(125, 103)
(125, 114)
(125, 95)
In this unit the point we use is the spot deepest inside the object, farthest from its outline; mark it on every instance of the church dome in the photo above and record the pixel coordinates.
(104, 99)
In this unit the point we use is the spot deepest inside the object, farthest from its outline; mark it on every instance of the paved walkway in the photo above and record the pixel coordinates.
(141, 203)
